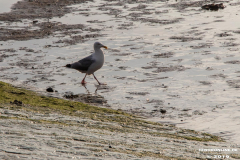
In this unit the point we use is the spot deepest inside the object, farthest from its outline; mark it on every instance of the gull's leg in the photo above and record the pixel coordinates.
(96, 79)
(83, 81)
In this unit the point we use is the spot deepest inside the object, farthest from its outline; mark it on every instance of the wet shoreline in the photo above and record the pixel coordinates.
(147, 74)
(54, 128)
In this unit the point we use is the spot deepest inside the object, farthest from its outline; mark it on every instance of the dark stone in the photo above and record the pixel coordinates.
(163, 111)
(49, 89)
(34, 22)
(213, 7)
(18, 103)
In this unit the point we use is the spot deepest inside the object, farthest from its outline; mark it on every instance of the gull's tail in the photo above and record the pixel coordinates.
(68, 66)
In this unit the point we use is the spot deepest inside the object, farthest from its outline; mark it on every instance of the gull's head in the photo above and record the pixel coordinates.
(98, 45)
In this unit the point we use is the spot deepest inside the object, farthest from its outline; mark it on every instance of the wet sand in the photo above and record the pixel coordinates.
(44, 127)
(159, 59)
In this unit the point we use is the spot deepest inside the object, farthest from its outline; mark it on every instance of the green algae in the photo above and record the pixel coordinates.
(123, 122)
(8, 94)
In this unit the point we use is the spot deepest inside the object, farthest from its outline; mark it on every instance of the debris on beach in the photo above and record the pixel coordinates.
(213, 7)
(50, 89)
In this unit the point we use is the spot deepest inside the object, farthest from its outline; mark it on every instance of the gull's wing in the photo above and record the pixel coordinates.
(83, 64)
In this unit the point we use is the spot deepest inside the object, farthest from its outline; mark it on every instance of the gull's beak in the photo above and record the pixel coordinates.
(105, 47)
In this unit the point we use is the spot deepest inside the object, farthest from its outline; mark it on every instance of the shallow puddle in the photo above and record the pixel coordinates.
(162, 56)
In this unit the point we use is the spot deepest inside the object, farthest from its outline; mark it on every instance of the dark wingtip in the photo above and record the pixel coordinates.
(68, 66)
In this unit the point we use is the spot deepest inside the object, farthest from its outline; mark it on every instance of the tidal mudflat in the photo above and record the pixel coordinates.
(52, 128)
(169, 61)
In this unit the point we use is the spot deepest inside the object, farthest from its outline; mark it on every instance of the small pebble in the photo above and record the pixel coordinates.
(163, 111)
(49, 89)
(35, 21)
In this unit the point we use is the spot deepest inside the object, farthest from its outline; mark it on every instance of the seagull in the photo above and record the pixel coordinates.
(90, 64)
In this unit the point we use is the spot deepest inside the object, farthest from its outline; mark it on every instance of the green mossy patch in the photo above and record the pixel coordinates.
(107, 119)
(8, 94)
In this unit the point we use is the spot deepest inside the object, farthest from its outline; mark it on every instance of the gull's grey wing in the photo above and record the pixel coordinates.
(83, 64)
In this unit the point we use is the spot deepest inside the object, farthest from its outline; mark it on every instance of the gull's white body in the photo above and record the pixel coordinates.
(98, 57)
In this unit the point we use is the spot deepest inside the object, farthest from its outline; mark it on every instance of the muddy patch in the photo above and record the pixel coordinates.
(31, 9)
(205, 83)
(157, 21)
(170, 68)
(29, 50)
(22, 34)
(126, 26)
(181, 5)
(45, 29)
(230, 44)
(155, 101)
(233, 62)
(105, 88)
(26, 11)
(122, 54)
(185, 39)
(234, 83)
(3, 56)
(86, 98)
(145, 52)
(163, 55)
(201, 45)
(78, 39)
(138, 93)
(225, 34)
(150, 79)
(23, 64)
(7, 50)
(220, 75)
